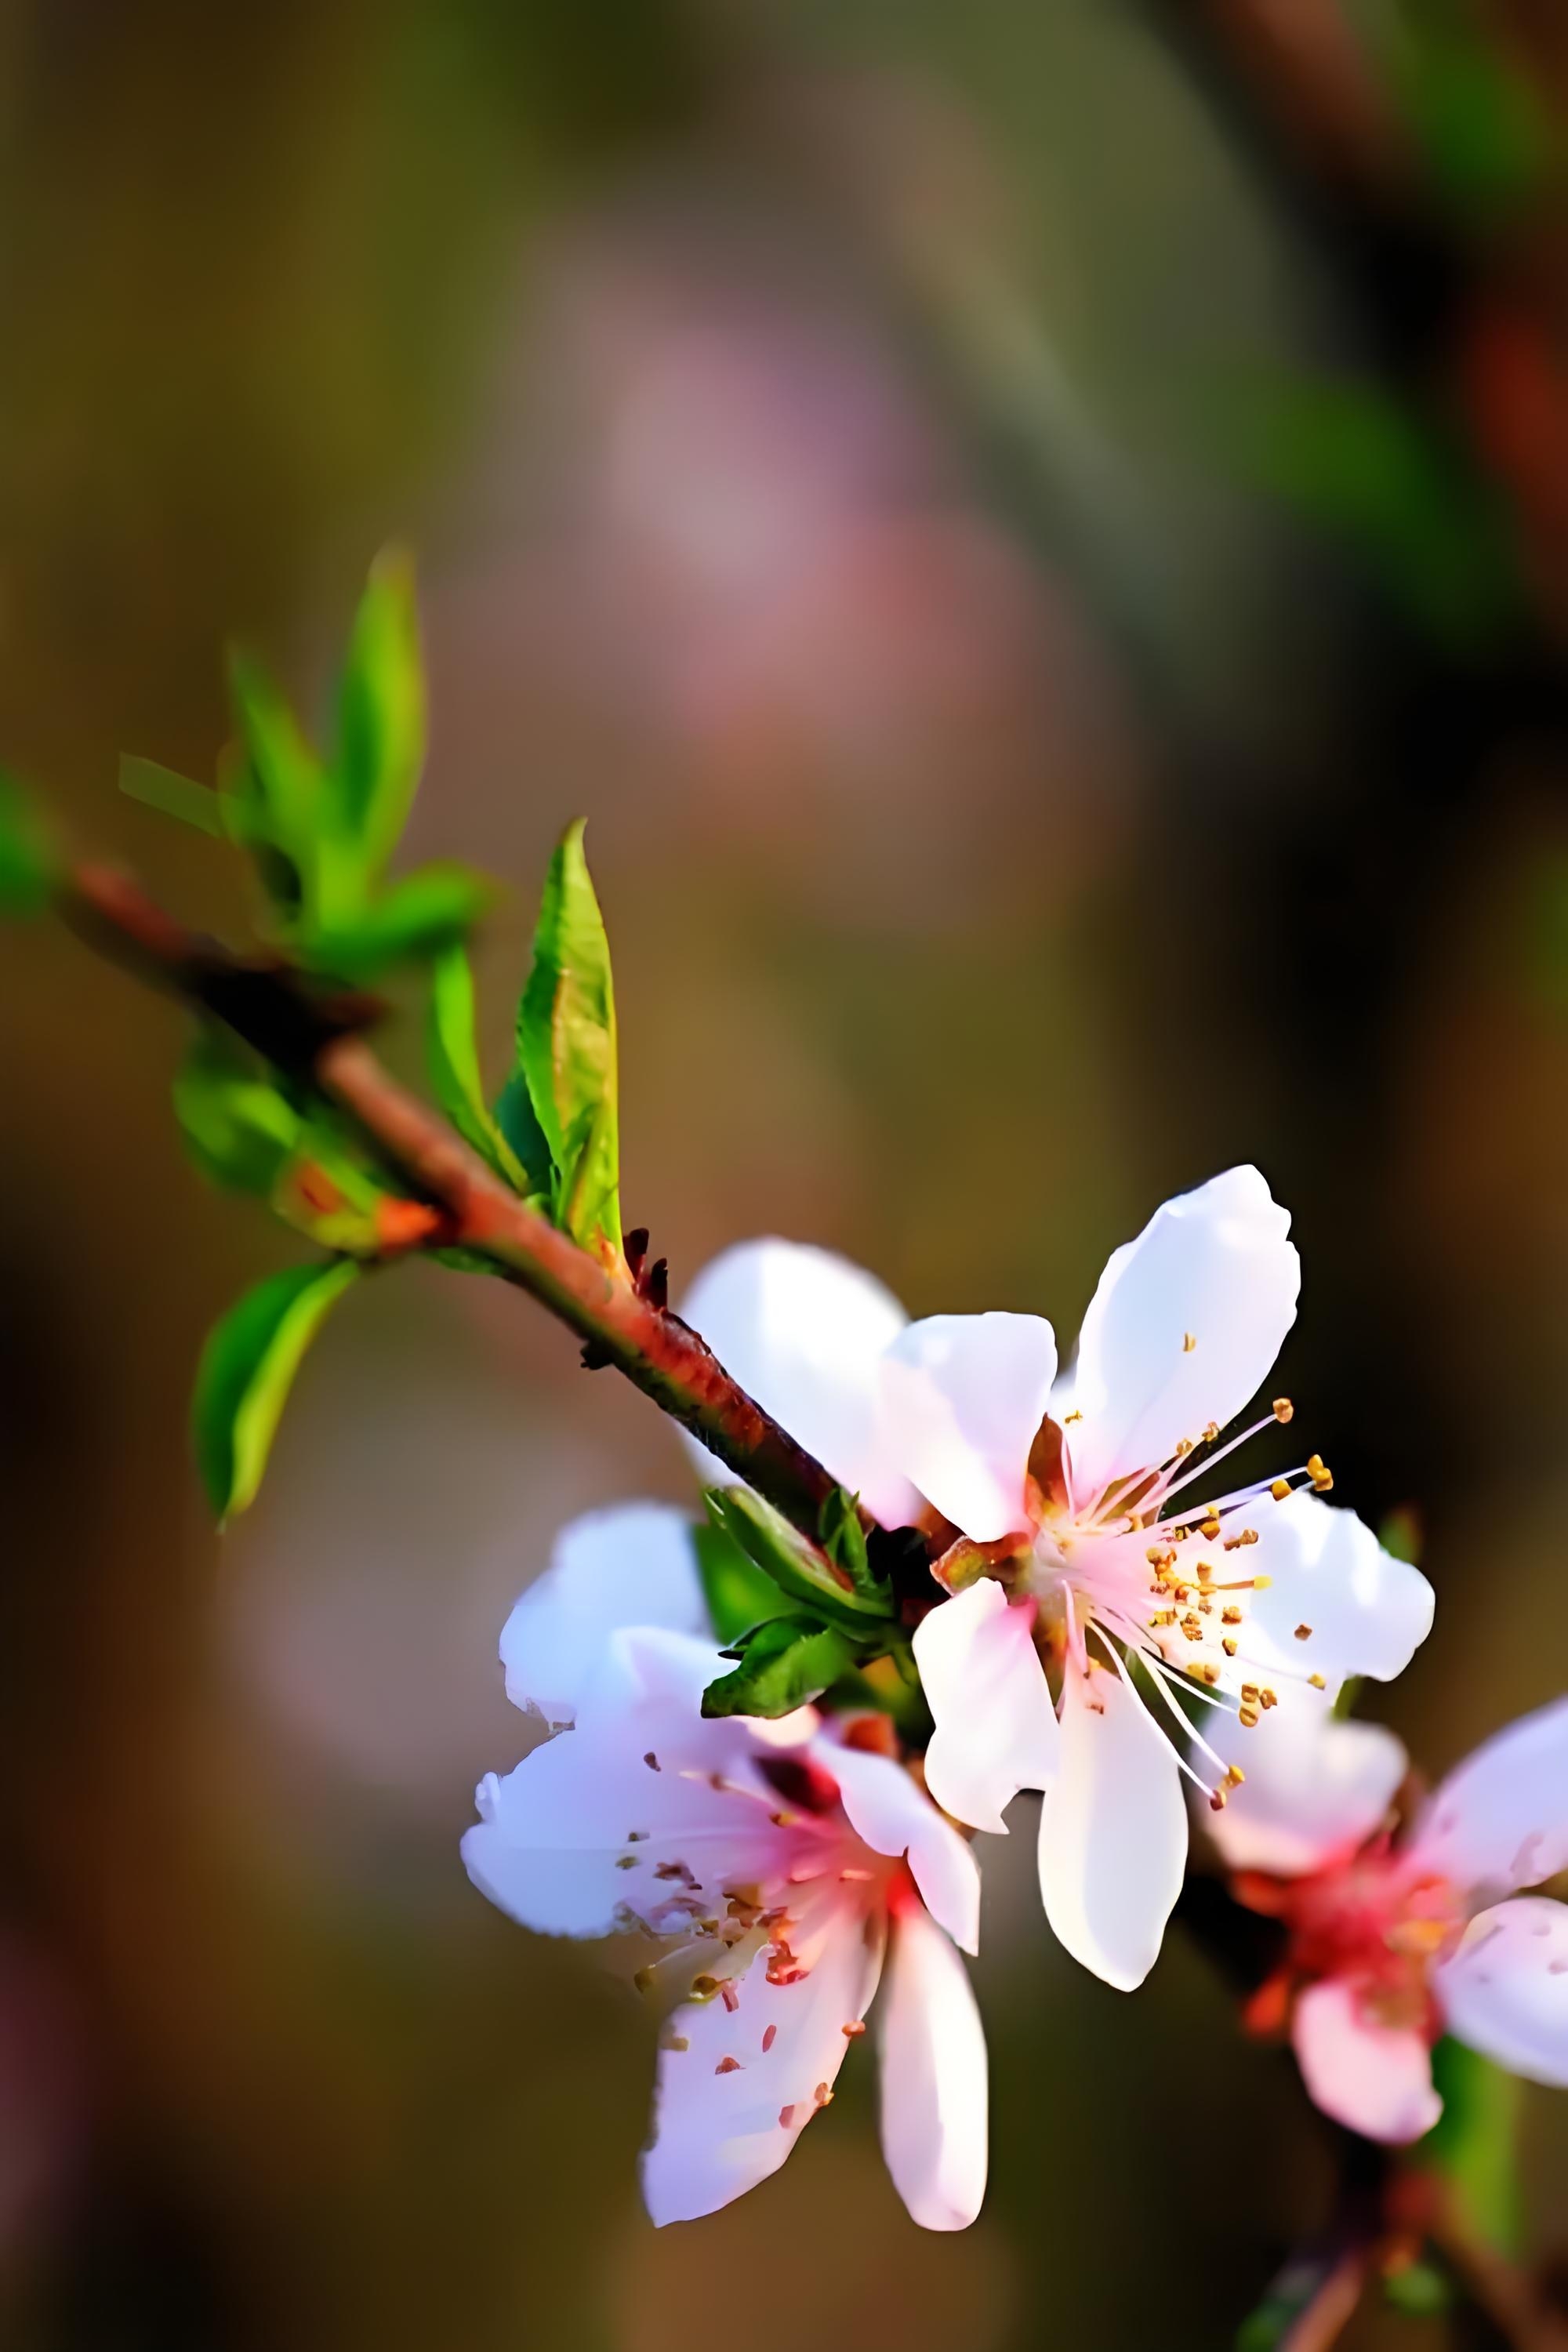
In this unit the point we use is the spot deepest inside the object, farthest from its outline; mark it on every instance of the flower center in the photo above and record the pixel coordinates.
(1152, 1571)
(1370, 1921)
(803, 1870)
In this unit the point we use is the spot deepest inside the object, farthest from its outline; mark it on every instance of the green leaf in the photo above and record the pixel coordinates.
(783, 1664)
(738, 1592)
(795, 1565)
(381, 714)
(28, 861)
(240, 1131)
(245, 1134)
(172, 795)
(566, 1049)
(423, 915)
(279, 782)
(519, 1123)
(1474, 2142)
(844, 1541)
(246, 1367)
(453, 1057)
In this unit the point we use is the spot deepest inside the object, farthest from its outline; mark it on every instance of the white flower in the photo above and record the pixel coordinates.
(1394, 1941)
(780, 1862)
(1090, 1506)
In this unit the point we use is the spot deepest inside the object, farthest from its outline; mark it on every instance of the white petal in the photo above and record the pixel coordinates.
(1214, 1268)
(1500, 1818)
(718, 2133)
(962, 1400)
(1113, 1831)
(1375, 2079)
(803, 1332)
(571, 1842)
(1505, 1991)
(935, 2093)
(996, 1726)
(887, 1809)
(630, 1565)
(1368, 1612)
(1315, 1788)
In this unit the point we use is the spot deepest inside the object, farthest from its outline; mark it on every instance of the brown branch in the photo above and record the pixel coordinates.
(316, 1037)
(1333, 2302)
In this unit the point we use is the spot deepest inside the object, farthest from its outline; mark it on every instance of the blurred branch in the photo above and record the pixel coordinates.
(316, 1038)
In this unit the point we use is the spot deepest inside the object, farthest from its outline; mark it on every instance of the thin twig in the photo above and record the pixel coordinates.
(316, 1037)
(1333, 2302)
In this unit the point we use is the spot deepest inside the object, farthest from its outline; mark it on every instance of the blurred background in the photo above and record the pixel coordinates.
(1037, 535)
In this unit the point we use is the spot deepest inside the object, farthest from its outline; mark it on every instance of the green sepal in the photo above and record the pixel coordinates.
(844, 1540)
(381, 715)
(174, 795)
(247, 1369)
(738, 1592)
(29, 863)
(783, 1664)
(566, 1050)
(795, 1564)
(454, 1059)
(422, 915)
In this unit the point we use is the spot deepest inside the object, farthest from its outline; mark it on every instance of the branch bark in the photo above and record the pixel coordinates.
(317, 1038)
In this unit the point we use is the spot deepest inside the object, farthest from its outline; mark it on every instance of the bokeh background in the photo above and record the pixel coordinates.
(1037, 534)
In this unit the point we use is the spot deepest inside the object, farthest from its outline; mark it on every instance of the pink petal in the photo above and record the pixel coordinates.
(631, 1564)
(1113, 1831)
(1368, 1612)
(996, 1726)
(1505, 1990)
(962, 1400)
(887, 1809)
(720, 2129)
(1500, 1818)
(1315, 1787)
(804, 1332)
(1213, 1266)
(934, 2091)
(1375, 2079)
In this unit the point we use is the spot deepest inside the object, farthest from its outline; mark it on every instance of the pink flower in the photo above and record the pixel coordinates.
(1398, 1939)
(1096, 1532)
(780, 1864)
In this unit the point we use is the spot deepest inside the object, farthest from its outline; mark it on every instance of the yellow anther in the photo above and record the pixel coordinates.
(1317, 1682)
(1280, 1490)
(1209, 1529)
(1183, 1446)
(1261, 1583)
(1235, 1775)
(1227, 1646)
(1248, 1717)
(1268, 1697)
(1282, 1409)
(1231, 1616)
(1189, 1341)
